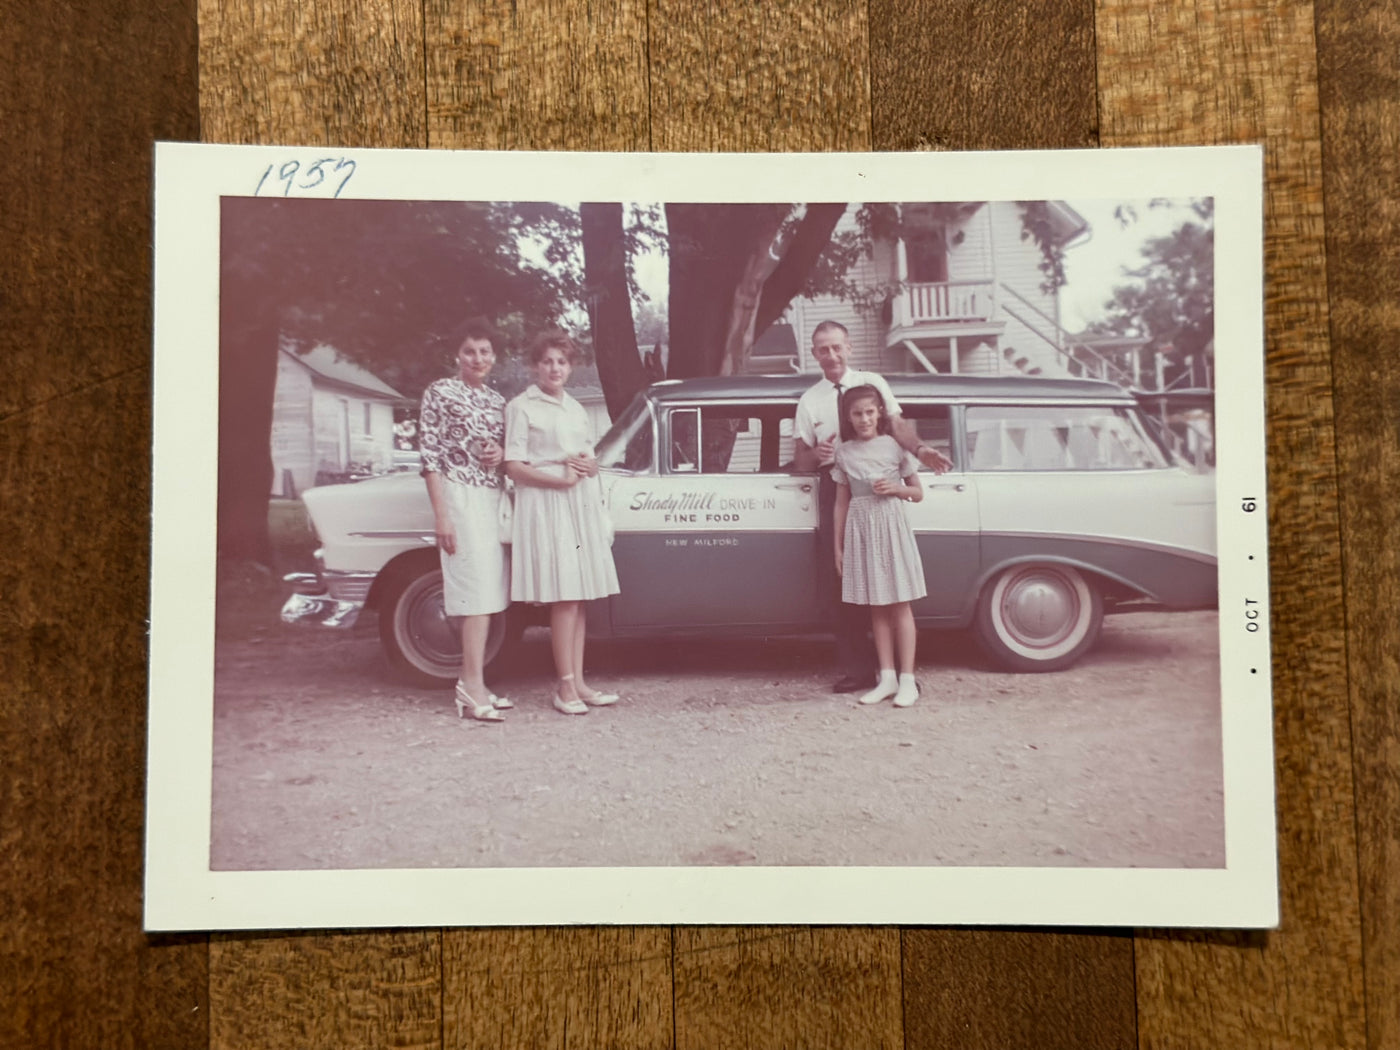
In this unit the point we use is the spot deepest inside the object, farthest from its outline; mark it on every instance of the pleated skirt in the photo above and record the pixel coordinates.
(561, 546)
(881, 565)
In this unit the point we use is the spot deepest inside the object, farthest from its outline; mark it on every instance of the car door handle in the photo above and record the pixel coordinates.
(796, 486)
(956, 486)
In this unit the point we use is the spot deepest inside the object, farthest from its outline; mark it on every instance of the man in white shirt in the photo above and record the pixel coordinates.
(817, 429)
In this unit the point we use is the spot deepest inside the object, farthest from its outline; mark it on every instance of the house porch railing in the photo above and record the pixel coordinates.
(945, 301)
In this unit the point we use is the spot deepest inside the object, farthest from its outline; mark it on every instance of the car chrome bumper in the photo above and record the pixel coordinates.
(334, 600)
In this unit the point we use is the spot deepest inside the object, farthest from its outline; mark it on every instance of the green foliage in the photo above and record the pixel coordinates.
(1169, 299)
(1037, 225)
(385, 282)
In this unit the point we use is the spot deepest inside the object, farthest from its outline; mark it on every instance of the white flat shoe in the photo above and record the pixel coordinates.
(569, 707)
(908, 693)
(600, 699)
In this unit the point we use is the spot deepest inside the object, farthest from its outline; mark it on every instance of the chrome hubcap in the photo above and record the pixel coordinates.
(1040, 609)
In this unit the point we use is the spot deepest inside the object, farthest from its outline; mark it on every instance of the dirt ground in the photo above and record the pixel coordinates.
(721, 752)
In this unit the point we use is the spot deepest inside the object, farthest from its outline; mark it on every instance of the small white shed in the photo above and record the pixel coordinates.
(330, 418)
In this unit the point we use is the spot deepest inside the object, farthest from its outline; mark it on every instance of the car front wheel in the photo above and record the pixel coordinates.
(423, 644)
(1038, 617)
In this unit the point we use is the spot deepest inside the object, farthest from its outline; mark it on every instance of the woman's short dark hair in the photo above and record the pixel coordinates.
(473, 328)
(860, 393)
(554, 339)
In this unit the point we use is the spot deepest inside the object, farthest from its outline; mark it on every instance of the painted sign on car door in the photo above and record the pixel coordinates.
(721, 531)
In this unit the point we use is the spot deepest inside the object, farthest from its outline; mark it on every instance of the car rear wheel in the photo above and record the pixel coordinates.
(1039, 617)
(424, 644)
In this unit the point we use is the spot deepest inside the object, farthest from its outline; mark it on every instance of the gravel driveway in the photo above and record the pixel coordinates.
(721, 753)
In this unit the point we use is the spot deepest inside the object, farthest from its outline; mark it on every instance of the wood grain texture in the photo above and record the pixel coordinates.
(552, 75)
(345, 73)
(85, 90)
(1216, 72)
(982, 75)
(790, 75)
(780, 76)
(787, 986)
(1359, 87)
(558, 987)
(289, 991)
(556, 75)
(998, 76)
(998, 988)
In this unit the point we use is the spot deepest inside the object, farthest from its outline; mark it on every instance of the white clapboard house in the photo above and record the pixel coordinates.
(959, 293)
(331, 419)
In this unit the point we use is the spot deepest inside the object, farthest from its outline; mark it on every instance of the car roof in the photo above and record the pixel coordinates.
(912, 386)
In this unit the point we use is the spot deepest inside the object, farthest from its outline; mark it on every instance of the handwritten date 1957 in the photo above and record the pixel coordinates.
(315, 178)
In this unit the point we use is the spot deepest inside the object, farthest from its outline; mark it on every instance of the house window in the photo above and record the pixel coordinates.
(927, 257)
(369, 422)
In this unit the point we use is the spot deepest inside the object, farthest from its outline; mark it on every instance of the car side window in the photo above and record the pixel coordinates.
(732, 439)
(933, 424)
(1058, 438)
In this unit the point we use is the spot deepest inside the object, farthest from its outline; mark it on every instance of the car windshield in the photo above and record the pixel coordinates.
(628, 443)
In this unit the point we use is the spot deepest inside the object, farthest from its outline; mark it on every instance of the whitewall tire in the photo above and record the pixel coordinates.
(1038, 617)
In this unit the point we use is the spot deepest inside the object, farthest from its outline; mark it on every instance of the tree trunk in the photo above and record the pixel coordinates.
(812, 236)
(620, 367)
(247, 383)
(726, 288)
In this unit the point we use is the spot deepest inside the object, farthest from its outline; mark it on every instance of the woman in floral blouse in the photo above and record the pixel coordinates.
(461, 433)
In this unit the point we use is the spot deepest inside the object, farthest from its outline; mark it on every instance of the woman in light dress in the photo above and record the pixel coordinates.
(561, 538)
(461, 436)
(876, 554)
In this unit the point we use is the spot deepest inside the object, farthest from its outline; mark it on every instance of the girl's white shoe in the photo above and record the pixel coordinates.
(907, 692)
(885, 688)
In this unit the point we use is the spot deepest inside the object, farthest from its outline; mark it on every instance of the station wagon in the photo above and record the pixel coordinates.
(1062, 506)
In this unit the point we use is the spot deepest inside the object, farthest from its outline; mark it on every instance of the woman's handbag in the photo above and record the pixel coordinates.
(505, 513)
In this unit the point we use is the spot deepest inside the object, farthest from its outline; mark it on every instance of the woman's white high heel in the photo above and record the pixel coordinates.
(481, 712)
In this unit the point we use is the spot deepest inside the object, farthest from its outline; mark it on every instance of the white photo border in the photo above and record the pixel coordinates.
(182, 893)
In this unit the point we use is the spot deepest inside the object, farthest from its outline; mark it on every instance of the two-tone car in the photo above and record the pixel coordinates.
(1061, 506)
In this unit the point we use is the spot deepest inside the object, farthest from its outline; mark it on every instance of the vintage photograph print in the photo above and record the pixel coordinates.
(546, 538)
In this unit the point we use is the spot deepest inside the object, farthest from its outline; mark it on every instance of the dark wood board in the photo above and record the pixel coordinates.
(84, 91)
(1359, 94)
(88, 87)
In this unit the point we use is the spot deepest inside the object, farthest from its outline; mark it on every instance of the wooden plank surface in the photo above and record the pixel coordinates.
(982, 75)
(552, 75)
(790, 76)
(558, 987)
(990, 76)
(1359, 87)
(349, 73)
(287, 991)
(784, 76)
(84, 90)
(556, 75)
(787, 986)
(1175, 74)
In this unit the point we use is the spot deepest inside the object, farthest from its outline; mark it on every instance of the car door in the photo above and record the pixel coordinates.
(723, 534)
(946, 521)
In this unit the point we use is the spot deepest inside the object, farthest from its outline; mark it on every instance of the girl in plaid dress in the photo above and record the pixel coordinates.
(875, 550)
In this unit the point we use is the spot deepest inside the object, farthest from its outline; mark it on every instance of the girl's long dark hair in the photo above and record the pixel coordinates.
(850, 397)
